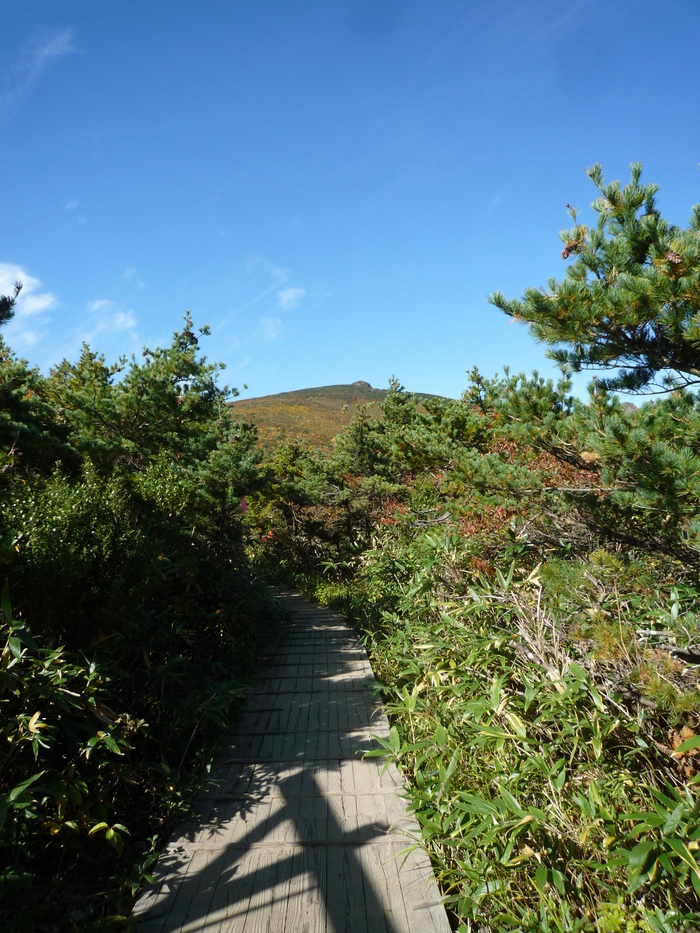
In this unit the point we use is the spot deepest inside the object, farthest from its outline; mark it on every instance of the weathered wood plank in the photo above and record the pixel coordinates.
(306, 899)
(345, 900)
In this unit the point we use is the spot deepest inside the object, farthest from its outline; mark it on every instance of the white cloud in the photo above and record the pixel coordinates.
(108, 316)
(32, 303)
(271, 327)
(132, 276)
(124, 320)
(19, 82)
(290, 297)
(264, 297)
(72, 209)
(109, 326)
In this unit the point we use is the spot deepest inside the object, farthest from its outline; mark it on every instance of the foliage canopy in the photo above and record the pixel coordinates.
(630, 300)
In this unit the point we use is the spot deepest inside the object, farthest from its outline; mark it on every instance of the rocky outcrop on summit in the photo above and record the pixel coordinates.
(361, 382)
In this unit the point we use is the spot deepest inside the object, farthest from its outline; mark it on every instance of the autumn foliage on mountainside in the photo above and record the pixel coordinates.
(312, 416)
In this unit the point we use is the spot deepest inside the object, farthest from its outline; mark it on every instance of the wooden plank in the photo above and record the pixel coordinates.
(380, 874)
(229, 906)
(306, 898)
(184, 892)
(313, 820)
(342, 818)
(345, 899)
(420, 894)
(203, 887)
(270, 885)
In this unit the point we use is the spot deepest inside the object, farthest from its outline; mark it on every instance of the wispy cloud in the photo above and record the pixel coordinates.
(266, 303)
(290, 297)
(110, 326)
(20, 80)
(270, 328)
(496, 201)
(72, 208)
(31, 317)
(107, 316)
(132, 277)
(262, 280)
(96, 305)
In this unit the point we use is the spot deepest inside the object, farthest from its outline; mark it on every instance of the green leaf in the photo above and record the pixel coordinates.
(642, 857)
(440, 737)
(19, 789)
(115, 840)
(487, 887)
(15, 646)
(695, 878)
(597, 699)
(512, 803)
(688, 745)
(26, 639)
(674, 819)
(578, 672)
(517, 724)
(495, 693)
(111, 744)
(684, 853)
(559, 881)
(452, 765)
(394, 740)
(541, 878)
(473, 804)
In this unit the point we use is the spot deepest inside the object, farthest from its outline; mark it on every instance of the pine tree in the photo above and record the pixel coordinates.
(630, 301)
(7, 304)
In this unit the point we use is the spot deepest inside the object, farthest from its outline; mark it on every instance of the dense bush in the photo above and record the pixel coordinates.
(129, 620)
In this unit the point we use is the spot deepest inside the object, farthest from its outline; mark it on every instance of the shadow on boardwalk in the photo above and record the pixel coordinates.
(297, 832)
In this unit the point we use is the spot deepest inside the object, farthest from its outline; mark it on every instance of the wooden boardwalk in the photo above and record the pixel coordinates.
(296, 832)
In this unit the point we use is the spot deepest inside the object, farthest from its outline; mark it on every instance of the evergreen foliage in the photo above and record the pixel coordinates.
(630, 300)
(7, 304)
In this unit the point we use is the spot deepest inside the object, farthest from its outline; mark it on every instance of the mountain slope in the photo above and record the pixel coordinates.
(313, 416)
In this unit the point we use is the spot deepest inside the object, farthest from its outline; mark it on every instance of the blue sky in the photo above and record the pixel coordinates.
(335, 187)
